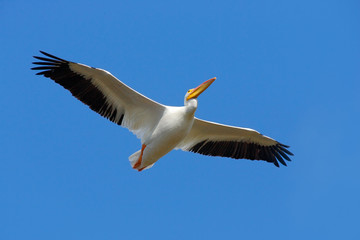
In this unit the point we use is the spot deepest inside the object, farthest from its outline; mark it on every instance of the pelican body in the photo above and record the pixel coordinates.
(160, 128)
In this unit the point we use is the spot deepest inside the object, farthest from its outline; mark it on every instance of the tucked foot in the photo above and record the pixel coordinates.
(138, 163)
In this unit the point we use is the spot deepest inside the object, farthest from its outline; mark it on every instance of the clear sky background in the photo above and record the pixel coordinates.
(289, 69)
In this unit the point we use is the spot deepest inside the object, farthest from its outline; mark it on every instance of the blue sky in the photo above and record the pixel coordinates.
(289, 69)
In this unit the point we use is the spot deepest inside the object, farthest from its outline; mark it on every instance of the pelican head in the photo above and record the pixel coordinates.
(195, 92)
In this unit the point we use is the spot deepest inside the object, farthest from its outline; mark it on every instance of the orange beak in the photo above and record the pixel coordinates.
(202, 87)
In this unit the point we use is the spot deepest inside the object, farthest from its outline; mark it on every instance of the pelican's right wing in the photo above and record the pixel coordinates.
(214, 139)
(103, 93)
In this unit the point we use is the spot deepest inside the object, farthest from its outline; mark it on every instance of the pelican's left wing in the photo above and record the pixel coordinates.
(215, 139)
(103, 93)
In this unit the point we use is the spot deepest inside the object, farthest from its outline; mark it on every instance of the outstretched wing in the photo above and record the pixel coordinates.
(103, 93)
(215, 139)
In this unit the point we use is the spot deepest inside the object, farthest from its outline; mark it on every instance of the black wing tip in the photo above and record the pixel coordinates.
(42, 52)
(48, 63)
(79, 86)
(284, 148)
(283, 145)
(274, 154)
(51, 58)
(280, 153)
(282, 163)
(50, 55)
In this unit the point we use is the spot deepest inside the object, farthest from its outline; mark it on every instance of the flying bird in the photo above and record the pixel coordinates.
(160, 128)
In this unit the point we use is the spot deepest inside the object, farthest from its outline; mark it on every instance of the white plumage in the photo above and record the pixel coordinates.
(161, 128)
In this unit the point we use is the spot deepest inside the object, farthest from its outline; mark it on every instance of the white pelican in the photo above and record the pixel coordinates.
(161, 128)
